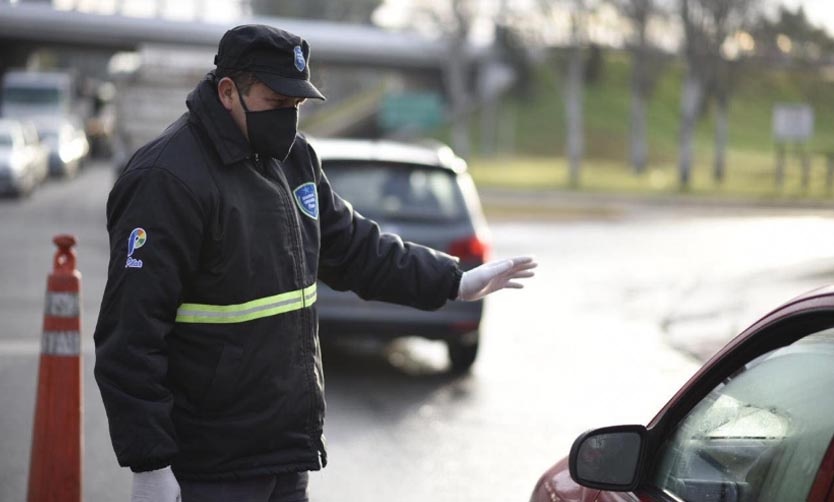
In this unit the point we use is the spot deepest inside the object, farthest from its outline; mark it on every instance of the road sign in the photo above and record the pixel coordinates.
(416, 111)
(793, 122)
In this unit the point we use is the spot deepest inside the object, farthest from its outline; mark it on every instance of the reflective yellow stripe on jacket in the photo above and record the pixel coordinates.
(255, 309)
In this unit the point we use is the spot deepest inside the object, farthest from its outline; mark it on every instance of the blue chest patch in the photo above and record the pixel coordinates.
(307, 199)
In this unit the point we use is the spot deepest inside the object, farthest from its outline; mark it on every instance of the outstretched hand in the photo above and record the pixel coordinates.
(489, 277)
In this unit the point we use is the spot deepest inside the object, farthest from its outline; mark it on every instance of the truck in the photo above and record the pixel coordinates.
(48, 100)
(151, 84)
(28, 94)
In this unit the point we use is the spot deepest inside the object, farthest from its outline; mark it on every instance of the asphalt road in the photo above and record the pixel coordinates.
(622, 310)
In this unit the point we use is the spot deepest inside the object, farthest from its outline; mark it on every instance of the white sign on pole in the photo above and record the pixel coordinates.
(793, 122)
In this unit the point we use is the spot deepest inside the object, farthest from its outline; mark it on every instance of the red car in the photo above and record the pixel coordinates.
(755, 423)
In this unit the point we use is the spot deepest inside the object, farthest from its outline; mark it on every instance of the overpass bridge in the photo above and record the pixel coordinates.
(458, 73)
(37, 24)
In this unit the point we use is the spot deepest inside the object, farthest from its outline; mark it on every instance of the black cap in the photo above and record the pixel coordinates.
(278, 58)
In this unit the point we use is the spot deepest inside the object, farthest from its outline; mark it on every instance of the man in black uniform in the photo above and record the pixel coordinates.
(207, 353)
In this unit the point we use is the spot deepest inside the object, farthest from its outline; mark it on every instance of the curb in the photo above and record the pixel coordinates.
(613, 204)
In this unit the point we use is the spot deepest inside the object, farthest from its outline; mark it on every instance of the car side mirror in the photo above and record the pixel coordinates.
(610, 458)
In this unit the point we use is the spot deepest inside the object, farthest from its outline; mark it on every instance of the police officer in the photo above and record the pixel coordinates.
(207, 354)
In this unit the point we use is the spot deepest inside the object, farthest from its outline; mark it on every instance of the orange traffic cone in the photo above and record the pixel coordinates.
(55, 465)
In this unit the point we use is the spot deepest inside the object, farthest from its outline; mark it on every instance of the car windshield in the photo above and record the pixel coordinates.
(39, 96)
(397, 191)
(49, 135)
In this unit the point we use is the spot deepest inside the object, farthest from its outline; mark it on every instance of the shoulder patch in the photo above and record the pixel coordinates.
(307, 199)
(138, 238)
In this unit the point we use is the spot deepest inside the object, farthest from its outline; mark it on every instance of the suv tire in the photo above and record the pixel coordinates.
(463, 351)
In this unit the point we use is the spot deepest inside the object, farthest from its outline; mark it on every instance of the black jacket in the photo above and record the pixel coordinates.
(207, 352)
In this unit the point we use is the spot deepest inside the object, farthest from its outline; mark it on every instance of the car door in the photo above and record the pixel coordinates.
(35, 153)
(763, 434)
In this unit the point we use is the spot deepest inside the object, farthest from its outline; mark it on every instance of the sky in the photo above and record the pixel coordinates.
(208, 10)
(819, 12)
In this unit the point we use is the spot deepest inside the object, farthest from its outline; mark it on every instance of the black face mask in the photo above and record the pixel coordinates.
(271, 132)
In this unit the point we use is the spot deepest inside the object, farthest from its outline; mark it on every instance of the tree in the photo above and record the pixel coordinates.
(573, 92)
(808, 43)
(707, 24)
(456, 75)
(644, 73)
(452, 21)
(574, 86)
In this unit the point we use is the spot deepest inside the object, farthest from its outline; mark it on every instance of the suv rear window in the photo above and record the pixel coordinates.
(397, 191)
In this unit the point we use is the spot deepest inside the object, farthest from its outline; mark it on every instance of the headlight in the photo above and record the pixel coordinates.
(16, 163)
(70, 150)
(66, 152)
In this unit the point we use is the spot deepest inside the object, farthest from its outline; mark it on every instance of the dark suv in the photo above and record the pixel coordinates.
(423, 194)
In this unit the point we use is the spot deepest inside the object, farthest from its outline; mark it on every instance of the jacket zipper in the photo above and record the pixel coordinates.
(278, 179)
(259, 166)
(308, 349)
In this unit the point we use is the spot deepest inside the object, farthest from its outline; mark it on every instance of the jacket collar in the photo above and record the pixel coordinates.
(207, 110)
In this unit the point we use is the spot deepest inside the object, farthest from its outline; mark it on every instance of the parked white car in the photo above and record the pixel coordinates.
(68, 146)
(23, 160)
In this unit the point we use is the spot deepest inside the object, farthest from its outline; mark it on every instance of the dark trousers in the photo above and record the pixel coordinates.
(291, 487)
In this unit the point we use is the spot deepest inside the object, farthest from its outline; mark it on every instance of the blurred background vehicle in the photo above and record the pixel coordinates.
(32, 94)
(148, 93)
(48, 100)
(67, 143)
(425, 195)
(756, 422)
(101, 123)
(23, 160)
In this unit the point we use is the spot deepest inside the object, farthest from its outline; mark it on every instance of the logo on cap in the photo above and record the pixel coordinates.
(299, 58)
(307, 199)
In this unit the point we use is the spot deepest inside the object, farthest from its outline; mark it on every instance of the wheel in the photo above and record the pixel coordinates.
(463, 351)
(71, 168)
(27, 186)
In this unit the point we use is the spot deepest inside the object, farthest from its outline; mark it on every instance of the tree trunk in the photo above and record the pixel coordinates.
(690, 104)
(722, 128)
(456, 88)
(507, 131)
(639, 145)
(489, 124)
(639, 94)
(573, 110)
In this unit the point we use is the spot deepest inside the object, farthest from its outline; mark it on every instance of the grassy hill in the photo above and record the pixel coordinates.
(536, 149)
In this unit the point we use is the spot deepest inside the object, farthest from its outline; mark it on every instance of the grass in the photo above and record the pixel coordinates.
(532, 157)
(751, 178)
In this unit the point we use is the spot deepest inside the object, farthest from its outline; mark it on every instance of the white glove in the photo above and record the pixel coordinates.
(155, 486)
(481, 281)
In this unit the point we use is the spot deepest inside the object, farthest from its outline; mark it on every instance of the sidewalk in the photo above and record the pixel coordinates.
(504, 203)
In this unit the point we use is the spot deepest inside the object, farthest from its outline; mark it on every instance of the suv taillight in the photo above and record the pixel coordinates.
(470, 249)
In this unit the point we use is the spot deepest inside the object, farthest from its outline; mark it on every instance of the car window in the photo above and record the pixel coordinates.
(33, 95)
(397, 191)
(6, 139)
(761, 434)
(49, 135)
